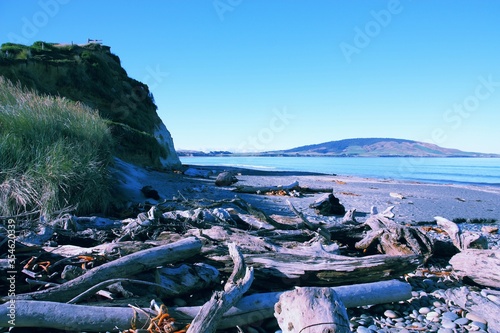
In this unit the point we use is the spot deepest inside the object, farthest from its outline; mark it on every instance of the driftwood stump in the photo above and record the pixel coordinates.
(319, 310)
(481, 266)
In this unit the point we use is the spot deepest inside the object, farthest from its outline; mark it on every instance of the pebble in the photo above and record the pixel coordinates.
(462, 321)
(424, 310)
(448, 324)
(390, 314)
(451, 316)
(362, 329)
(477, 325)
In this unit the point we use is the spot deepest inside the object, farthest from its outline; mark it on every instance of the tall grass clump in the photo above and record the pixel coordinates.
(54, 154)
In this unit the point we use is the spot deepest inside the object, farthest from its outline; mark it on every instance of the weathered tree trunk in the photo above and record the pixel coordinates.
(316, 310)
(482, 266)
(119, 268)
(478, 304)
(462, 240)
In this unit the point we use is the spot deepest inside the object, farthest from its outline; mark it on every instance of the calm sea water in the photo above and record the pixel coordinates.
(485, 171)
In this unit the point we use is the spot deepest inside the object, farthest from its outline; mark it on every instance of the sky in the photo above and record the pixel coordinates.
(261, 75)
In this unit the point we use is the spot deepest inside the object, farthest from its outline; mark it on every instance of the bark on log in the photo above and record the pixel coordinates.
(207, 320)
(249, 309)
(482, 266)
(273, 270)
(120, 268)
(477, 304)
(461, 240)
(317, 310)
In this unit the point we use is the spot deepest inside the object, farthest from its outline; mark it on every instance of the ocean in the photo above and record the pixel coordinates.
(477, 171)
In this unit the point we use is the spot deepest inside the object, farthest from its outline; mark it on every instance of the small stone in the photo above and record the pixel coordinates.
(462, 321)
(451, 316)
(477, 325)
(472, 317)
(424, 310)
(362, 329)
(390, 314)
(445, 330)
(437, 304)
(432, 316)
(448, 324)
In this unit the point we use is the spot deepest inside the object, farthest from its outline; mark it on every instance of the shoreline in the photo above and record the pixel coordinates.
(421, 202)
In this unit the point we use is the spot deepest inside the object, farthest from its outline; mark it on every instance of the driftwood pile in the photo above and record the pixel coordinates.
(223, 265)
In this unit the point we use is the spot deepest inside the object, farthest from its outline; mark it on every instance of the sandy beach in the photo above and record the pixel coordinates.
(420, 202)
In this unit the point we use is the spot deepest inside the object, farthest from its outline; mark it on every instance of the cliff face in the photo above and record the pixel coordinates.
(91, 74)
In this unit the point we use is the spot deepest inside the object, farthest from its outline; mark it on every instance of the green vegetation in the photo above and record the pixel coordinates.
(54, 154)
(91, 74)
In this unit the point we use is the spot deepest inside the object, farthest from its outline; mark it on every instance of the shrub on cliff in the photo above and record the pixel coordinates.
(54, 154)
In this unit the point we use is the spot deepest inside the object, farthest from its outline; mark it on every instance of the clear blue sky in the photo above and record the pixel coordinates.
(265, 75)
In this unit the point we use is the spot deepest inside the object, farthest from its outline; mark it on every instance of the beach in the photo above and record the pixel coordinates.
(413, 202)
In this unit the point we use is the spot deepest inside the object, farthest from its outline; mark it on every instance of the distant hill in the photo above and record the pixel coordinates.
(375, 147)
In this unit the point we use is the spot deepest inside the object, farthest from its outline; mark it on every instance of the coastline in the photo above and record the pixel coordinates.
(421, 202)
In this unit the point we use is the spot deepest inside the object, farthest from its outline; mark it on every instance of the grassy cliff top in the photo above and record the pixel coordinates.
(91, 74)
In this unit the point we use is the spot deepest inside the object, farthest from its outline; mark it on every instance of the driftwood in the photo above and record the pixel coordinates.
(313, 227)
(278, 269)
(257, 307)
(462, 240)
(266, 189)
(249, 309)
(392, 238)
(238, 283)
(482, 266)
(185, 279)
(477, 304)
(123, 267)
(70, 317)
(317, 310)
(328, 205)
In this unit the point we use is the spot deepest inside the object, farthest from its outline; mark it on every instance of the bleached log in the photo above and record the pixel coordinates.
(120, 268)
(317, 310)
(249, 309)
(258, 213)
(207, 320)
(461, 240)
(76, 223)
(257, 307)
(477, 304)
(265, 189)
(482, 266)
(70, 317)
